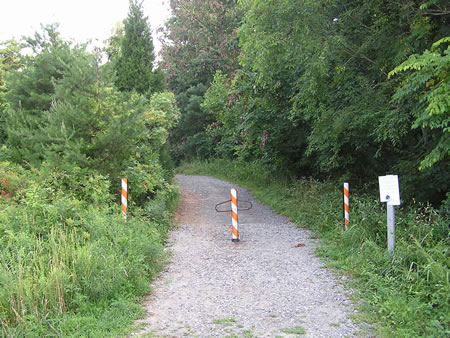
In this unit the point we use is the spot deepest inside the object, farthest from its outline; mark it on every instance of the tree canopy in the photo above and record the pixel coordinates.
(199, 39)
(312, 92)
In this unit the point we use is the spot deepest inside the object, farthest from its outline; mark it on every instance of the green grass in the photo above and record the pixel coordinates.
(71, 267)
(404, 295)
(248, 333)
(298, 330)
(224, 321)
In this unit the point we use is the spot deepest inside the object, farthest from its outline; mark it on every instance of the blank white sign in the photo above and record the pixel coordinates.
(389, 189)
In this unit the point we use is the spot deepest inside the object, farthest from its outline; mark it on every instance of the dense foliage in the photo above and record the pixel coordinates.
(313, 92)
(79, 119)
(429, 85)
(9, 60)
(199, 39)
(69, 264)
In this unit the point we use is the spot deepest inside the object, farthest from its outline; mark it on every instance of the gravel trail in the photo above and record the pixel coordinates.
(267, 285)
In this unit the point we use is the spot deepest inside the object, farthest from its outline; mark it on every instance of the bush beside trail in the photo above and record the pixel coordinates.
(66, 255)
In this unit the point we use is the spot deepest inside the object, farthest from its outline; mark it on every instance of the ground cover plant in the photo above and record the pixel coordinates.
(69, 264)
(403, 295)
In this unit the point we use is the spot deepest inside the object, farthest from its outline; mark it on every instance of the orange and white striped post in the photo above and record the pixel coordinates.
(234, 216)
(346, 207)
(124, 197)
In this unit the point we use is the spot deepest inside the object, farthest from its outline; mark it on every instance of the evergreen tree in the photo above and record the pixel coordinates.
(32, 88)
(134, 67)
(82, 122)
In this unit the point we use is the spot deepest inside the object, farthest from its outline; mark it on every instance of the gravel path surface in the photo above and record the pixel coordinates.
(266, 285)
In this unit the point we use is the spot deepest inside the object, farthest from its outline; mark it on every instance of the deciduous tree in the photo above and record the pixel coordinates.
(428, 83)
(313, 88)
(199, 38)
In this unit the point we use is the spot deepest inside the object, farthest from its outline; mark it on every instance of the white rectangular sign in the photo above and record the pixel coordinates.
(389, 189)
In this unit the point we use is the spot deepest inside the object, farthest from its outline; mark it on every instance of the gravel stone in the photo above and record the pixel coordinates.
(266, 285)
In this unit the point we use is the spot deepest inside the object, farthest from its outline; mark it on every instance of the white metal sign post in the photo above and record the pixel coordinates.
(391, 227)
(390, 193)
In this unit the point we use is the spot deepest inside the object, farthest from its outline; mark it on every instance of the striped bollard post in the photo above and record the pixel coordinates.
(346, 207)
(124, 197)
(234, 216)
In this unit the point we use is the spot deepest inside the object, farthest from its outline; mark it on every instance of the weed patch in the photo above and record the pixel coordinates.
(298, 330)
(69, 264)
(224, 321)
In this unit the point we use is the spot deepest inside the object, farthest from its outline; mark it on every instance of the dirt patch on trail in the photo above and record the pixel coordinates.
(187, 211)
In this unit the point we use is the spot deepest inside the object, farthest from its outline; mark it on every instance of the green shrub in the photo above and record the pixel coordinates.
(66, 251)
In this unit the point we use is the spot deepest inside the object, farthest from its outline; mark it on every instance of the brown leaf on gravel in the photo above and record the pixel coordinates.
(299, 245)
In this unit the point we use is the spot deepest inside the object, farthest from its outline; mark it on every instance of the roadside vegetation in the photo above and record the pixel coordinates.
(69, 264)
(347, 90)
(405, 295)
(71, 127)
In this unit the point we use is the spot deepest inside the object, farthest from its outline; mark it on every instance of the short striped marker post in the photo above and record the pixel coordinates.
(124, 197)
(346, 208)
(234, 216)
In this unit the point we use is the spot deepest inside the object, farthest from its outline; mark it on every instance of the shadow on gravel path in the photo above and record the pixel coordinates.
(269, 284)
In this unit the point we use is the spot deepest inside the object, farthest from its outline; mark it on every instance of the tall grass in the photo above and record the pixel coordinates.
(403, 295)
(72, 266)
